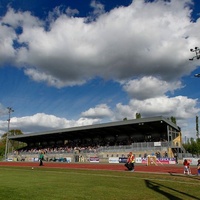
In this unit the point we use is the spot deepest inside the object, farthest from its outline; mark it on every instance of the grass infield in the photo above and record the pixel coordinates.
(25, 183)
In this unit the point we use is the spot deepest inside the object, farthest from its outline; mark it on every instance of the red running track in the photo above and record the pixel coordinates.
(99, 166)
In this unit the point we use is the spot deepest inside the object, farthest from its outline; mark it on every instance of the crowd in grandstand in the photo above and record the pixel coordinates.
(79, 150)
(58, 150)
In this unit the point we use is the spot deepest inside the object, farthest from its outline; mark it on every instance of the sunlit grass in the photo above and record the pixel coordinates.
(52, 184)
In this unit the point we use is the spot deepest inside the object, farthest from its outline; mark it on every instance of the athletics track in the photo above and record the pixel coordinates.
(171, 169)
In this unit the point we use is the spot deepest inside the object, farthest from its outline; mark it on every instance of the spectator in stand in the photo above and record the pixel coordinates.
(166, 155)
(176, 157)
(145, 155)
(157, 154)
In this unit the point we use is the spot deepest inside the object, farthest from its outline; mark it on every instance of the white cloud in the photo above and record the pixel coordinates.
(98, 10)
(100, 111)
(150, 87)
(38, 76)
(21, 19)
(61, 10)
(86, 121)
(179, 107)
(42, 122)
(39, 122)
(71, 12)
(7, 36)
(143, 39)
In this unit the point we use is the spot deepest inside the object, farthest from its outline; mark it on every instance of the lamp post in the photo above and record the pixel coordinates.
(9, 113)
(196, 50)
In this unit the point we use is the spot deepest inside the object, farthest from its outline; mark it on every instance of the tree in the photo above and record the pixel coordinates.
(138, 115)
(15, 144)
(193, 146)
(173, 119)
(198, 146)
(2, 149)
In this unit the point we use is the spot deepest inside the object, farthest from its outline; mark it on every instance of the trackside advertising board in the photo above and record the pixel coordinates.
(94, 159)
(142, 160)
(114, 160)
(158, 160)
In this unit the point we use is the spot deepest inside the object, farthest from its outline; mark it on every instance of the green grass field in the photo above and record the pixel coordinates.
(66, 184)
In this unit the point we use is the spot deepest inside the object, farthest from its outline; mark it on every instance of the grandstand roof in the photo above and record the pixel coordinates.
(142, 126)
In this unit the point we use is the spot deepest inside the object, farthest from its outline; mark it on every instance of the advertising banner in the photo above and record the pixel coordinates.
(158, 160)
(68, 159)
(35, 159)
(122, 159)
(113, 160)
(94, 159)
(141, 160)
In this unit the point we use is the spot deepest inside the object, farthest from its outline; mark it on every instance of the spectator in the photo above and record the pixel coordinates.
(145, 155)
(176, 157)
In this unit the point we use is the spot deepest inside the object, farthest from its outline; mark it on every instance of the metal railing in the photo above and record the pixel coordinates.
(136, 147)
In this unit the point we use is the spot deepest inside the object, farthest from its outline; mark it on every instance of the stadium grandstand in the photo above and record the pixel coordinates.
(156, 136)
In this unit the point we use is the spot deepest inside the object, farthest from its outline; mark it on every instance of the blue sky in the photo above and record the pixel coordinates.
(69, 63)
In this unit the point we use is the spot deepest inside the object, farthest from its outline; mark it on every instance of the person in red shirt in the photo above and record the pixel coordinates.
(186, 165)
(130, 162)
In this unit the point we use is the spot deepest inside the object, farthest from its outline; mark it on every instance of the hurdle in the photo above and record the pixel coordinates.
(152, 160)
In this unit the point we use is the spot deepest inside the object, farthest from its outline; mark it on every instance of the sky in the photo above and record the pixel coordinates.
(68, 63)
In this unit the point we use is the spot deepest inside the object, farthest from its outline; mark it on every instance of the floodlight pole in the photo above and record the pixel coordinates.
(196, 50)
(9, 114)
